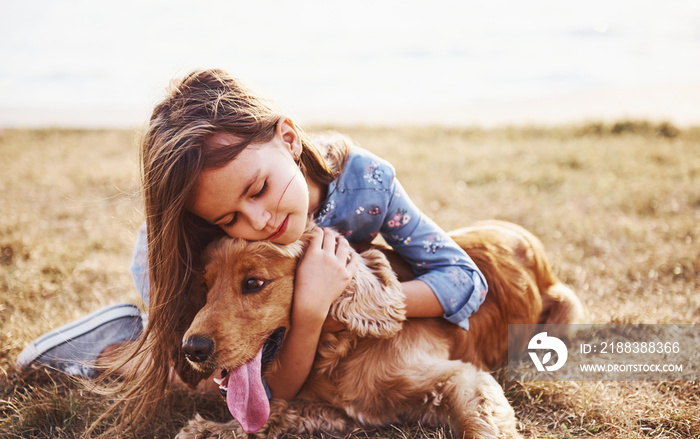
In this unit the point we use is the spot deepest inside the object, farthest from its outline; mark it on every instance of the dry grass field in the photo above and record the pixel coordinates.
(616, 205)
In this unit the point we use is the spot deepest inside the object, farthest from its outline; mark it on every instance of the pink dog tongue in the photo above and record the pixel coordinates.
(246, 397)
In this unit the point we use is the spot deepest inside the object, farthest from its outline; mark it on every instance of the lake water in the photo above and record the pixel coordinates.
(105, 63)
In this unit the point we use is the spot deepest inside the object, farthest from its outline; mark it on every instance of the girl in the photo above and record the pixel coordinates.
(219, 159)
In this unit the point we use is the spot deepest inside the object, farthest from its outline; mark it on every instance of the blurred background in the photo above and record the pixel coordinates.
(86, 63)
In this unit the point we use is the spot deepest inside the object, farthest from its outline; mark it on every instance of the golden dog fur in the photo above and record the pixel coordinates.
(384, 369)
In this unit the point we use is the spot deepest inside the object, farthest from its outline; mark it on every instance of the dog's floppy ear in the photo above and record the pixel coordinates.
(373, 304)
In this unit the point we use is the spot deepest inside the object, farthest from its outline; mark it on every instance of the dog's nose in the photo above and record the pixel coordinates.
(197, 348)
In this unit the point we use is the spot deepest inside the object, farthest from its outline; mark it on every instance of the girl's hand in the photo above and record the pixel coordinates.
(323, 274)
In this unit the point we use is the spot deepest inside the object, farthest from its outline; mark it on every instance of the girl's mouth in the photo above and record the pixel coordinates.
(280, 231)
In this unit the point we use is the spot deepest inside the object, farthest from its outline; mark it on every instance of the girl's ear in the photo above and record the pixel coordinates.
(287, 131)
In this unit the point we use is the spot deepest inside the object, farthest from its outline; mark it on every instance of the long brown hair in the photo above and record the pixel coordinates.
(173, 153)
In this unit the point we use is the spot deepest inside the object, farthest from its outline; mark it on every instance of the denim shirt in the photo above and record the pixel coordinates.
(367, 200)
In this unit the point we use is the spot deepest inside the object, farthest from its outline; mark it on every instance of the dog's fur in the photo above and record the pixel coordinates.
(384, 369)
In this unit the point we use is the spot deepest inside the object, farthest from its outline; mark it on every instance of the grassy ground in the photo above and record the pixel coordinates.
(616, 205)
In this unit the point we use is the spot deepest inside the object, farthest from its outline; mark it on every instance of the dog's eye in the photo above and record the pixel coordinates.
(253, 285)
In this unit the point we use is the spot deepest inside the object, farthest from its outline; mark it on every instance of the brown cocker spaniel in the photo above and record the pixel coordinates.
(384, 369)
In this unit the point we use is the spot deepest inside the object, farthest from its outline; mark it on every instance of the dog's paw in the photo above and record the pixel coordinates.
(200, 428)
(373, 304)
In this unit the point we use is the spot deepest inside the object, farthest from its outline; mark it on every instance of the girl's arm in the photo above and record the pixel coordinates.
(366, 199)
(296, 358)
(421, 301)
(323, 274)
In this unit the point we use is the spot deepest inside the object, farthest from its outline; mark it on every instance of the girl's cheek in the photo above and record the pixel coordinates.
(294, 233)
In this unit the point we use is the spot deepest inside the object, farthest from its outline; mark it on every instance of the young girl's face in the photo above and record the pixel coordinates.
(259, 195)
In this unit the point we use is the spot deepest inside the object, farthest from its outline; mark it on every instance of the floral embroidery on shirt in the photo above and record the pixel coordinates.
(459, 277)
(374, 211)
(433, 243)
(373, 174)
(323, 213)
(399, 240)
(400, 218)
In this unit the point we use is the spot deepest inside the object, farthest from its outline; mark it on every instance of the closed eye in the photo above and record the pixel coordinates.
(233, 221)
(256, 195)
(261, 192)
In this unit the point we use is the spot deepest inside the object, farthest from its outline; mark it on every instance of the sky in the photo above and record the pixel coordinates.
(106, 63)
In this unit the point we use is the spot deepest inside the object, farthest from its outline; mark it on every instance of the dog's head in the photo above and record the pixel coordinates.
(249, 288)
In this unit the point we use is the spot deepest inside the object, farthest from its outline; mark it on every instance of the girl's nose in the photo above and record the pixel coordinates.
(259, 218)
